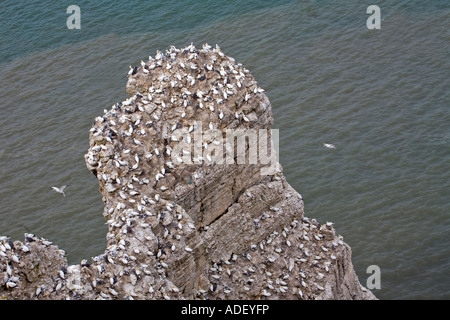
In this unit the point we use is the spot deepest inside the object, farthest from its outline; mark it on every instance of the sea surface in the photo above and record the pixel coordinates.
(380, 96)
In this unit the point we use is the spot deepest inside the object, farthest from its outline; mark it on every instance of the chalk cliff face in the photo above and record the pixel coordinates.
(191, 213)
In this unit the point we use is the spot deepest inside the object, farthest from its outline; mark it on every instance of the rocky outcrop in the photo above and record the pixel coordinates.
(192, 211)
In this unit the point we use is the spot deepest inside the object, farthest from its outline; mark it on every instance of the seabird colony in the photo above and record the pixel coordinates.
(184, 88)
(155, 248)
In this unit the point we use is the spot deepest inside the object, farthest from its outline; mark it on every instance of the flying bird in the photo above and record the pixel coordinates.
(60, 190)
(329, 146)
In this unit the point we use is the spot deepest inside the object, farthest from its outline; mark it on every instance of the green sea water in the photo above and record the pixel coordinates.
(381, 96)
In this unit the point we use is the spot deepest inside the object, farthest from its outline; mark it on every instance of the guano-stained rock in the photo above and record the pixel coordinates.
(198, 229)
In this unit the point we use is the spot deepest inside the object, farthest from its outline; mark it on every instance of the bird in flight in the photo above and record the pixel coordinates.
(60, 190)
(329, 146)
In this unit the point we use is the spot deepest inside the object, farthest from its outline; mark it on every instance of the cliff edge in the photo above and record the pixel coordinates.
(196, 203)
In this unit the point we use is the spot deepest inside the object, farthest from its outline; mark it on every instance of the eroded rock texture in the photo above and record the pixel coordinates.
(182, 224)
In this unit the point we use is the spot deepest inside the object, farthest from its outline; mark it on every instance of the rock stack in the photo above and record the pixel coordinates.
(190, 214)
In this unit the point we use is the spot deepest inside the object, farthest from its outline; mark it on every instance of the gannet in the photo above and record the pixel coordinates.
(60, 190)
(132, 71)
(329, 146)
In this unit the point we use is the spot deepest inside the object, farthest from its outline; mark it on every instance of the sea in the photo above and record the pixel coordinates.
(379, 95)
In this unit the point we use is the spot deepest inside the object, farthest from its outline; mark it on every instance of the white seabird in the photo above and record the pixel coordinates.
(60, 190)
(329, 146)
